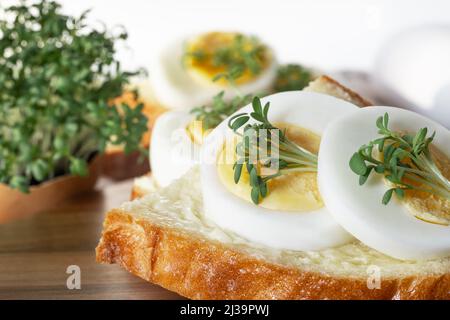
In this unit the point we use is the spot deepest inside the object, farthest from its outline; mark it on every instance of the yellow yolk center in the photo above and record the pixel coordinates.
(199, 60)
(429, 207)
(291, 192)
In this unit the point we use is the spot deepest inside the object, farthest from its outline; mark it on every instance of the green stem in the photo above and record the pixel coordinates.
(432, 191)
(411, 170)
(434, 170)
(299, 150)
(296, 160)
(433, 186)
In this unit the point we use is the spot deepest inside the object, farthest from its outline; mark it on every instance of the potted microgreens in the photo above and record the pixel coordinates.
(58, 77)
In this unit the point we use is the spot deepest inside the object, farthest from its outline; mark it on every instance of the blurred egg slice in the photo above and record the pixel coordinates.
(416, 65)
(182, 72)
(292, 216)
(393, 229)
(174, 148)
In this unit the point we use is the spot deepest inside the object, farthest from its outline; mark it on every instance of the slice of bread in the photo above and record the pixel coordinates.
(164, 238)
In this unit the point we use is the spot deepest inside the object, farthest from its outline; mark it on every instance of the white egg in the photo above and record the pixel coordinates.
(416, 65)
(390, 228)
(172, 151)
(313, 230)
(175, 88)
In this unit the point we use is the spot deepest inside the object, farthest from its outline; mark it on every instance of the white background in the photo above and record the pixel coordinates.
(325, 33)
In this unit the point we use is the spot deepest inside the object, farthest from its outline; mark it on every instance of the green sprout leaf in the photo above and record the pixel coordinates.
(387, 196)
(239, 122)
(20, 183)
(254, 181)
(255, 195)
(78, 167)
(40, 169)
(292, 77)
(363, 178)
(237, 172)
(357, 164)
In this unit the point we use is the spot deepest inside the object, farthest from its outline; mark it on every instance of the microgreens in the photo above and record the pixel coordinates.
(219, 109)
(242, 54)
(292, 77)
(57, 78)
(289, 77)
(264, 146)
(406, 162)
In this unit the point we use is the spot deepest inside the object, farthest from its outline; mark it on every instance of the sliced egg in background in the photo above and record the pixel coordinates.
(391, 229)
(307, 230)
(177, 87)
(172, 149)
(415, 64)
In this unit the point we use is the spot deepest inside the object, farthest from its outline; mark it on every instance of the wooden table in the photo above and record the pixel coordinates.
(35, 253)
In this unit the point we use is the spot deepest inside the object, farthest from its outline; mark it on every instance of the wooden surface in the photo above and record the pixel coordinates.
(35, 253)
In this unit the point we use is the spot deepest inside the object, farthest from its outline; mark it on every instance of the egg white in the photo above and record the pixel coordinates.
(172, 151)
(313, 230)
(416, 65)
(175, 88)
(389, 228)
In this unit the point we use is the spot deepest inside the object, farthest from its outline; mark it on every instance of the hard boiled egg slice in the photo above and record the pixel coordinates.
(175, 145)
(393, 229)
(292, 216)
(182, 72)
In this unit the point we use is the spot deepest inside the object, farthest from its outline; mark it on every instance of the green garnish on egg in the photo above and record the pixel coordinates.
(263, 145)
(405, 160)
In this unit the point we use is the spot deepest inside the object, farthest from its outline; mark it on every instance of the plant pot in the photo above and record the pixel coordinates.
(118, 166)
(15, 204)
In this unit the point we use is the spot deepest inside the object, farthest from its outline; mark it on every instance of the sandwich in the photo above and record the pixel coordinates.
(323, 219)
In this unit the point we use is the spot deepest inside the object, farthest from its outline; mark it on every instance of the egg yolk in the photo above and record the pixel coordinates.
(429, 207)
(297, 191)
(200, 59)
(196, 132)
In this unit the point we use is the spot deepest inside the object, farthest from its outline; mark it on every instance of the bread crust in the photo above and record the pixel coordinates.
(348, 94)
(199, 268)
(137, 192)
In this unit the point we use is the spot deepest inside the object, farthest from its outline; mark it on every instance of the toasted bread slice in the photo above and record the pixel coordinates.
(164, 238)
(143, 185)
